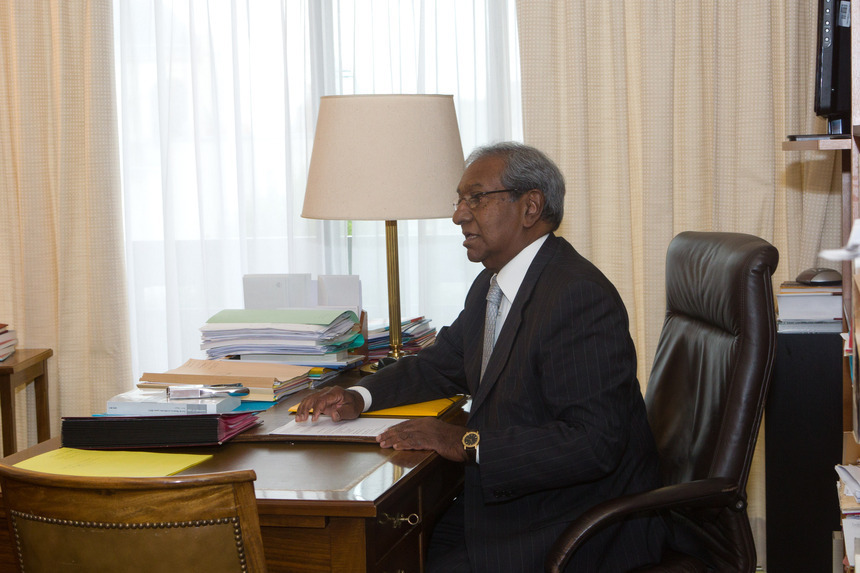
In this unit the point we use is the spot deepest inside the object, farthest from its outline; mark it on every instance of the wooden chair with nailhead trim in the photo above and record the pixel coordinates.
(204, 522)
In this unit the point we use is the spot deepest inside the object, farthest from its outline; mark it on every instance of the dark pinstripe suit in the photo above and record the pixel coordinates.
(559, 410)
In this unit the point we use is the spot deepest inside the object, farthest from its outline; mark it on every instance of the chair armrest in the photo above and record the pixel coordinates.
(713, 492)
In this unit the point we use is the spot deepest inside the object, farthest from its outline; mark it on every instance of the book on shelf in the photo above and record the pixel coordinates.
(794, 287)
(117, 432)
(155, 402)
(796, 301)
(806, 326)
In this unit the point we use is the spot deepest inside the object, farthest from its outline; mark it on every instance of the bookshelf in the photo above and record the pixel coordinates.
(802, 421)
(817, 145)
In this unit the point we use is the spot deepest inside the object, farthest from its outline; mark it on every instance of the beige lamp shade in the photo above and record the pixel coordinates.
(384, 157)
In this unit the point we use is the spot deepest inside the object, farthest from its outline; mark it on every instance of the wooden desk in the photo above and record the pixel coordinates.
(24, 366)
(328, 507)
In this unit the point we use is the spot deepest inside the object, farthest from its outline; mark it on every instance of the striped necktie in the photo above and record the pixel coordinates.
(494, 297)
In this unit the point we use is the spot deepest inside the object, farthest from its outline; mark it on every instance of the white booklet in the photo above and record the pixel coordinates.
(358, 430)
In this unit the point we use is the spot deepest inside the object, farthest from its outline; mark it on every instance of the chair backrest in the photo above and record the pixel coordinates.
(205, 522)
(714, 359)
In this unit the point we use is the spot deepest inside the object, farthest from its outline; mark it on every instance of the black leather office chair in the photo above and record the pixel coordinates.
(705, 399)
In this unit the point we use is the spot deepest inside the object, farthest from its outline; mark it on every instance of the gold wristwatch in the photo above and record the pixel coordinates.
(470, 444)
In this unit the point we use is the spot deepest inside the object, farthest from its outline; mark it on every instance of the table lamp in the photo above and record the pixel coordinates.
(389, 158)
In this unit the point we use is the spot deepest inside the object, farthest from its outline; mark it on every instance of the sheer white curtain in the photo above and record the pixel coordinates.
(218, 106)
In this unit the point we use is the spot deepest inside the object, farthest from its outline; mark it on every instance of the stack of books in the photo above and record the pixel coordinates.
(312, 337)
(416, 333)
(8, 341)
(263, 381)
(160, 418)
(809, 308)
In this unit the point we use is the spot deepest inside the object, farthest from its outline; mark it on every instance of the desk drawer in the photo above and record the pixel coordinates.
(437, 493)
(395, 519)
(403, 558)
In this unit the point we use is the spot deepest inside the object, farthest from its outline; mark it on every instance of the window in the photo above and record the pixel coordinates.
(217, 108)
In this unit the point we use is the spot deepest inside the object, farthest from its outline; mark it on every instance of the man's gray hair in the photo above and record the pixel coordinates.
(528, 168)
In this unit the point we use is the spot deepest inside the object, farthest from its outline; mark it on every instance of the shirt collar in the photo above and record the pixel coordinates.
(511, 276)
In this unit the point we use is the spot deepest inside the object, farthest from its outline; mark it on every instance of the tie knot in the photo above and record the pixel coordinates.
(494, 295)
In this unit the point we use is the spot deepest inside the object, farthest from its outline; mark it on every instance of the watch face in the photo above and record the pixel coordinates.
(470, 440)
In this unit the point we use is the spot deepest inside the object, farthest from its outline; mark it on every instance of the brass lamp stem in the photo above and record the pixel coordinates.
(396, 346)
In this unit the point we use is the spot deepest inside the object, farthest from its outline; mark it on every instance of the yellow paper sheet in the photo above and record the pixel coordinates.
(110, 463)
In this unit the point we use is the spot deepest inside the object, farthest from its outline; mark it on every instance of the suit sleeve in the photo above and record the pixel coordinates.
(436, 372)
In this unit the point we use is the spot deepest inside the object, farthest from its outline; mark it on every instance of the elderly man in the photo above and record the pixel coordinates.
(557, 421)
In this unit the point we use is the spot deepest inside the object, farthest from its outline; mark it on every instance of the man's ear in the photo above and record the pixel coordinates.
(534, 204)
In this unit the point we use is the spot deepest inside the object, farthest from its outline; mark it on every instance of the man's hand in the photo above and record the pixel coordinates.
(426, 434)
(336, 402)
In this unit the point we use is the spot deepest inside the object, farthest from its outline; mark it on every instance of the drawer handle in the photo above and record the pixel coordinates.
(398, 520)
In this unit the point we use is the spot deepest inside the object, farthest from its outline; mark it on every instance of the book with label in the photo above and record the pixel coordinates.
(142, 402)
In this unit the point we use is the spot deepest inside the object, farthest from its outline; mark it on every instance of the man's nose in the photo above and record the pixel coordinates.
(461, 214)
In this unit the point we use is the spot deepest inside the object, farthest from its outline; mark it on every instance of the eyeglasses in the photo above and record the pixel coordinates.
(472, 201)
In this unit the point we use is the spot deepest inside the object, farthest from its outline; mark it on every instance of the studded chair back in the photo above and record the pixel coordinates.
(205, 522)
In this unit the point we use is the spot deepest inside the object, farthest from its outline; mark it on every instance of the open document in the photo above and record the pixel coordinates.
(324, 429)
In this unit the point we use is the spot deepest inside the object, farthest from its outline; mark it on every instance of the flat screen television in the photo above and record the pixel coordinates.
(833, 67)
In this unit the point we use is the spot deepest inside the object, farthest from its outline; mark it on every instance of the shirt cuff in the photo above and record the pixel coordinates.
(365, 393)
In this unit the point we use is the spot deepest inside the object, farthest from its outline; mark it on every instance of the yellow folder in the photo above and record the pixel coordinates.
(111, 463)
(430, 408)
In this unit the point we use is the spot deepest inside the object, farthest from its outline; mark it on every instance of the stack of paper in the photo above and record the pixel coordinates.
(849, 505)
(8, 341)
(305, 336)
(320, 376)
(415, 334)
(849, 476)
(267, 382)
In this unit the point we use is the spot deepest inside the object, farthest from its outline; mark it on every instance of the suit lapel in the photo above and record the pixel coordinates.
(508, 334)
